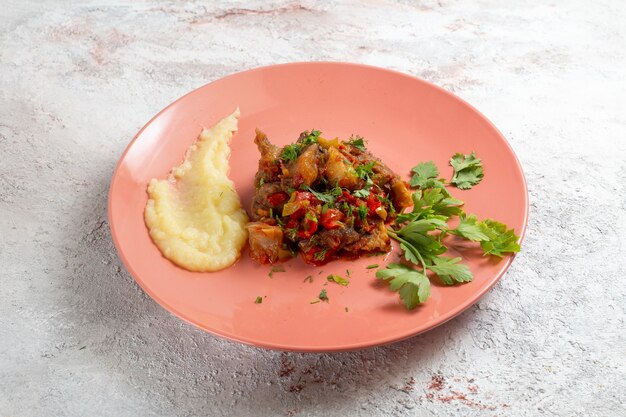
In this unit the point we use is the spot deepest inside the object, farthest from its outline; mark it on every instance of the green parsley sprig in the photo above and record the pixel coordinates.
(421, 231)
(290, 152)
(468, 172)
(357, 141)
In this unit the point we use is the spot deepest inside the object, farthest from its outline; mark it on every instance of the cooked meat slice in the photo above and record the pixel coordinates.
(268, 166)
(335, 239)
(400, 195)
(261, 201)
(376, 241)
(306, 166)
(266, 242)
(339, 170)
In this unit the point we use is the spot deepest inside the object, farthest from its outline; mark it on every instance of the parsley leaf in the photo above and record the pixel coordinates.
(357, 141)
(493, 236)
(362, 211)
(421, 231)
(363, 171)
(433, 202)
(312, 137)
(373, 266)
(425, 176)
(470, 228)
(450, 270)
(413, 285)
(258, 300)
(365, 191)
(323, 296)
(468, 170)
(501, 240)
(327, 197)
(290, 153)
(338, 280)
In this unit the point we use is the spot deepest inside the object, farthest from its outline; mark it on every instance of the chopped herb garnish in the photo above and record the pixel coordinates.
(309, 278)
(337, 279)
(258, 300)
(348, 273)
(312, 137)
(323, 296)
(362, 211)
(276, 268)
(363, 171)
(357, 141)
(321, 255)
(290, 153)
(311, 217)
(365, 191)
(373, 266)
(315, 302)
(386, 201)
(325, 197)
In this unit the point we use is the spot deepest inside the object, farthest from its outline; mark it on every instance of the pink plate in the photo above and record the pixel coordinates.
(405, 121)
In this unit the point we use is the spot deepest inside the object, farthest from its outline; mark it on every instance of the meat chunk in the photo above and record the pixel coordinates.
(269, 167)
(327, 199)
(336, 239)
(306, 166)
(376, 241)
(261, 201)
(266, 243)
(339, 170)
(400, 194)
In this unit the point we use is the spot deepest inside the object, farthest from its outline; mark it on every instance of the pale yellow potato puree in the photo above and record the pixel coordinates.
(195, 216)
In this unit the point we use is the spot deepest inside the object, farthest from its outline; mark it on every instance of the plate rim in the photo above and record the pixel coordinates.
(340, 347)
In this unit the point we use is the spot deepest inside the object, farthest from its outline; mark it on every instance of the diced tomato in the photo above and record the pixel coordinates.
(306, 196)
(308, 227)
(372, 202)
(346, 196)
(331, 218)
(292, 224)
(277, 199)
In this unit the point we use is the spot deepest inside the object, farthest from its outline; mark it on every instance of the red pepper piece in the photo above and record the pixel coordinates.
(277, 199)
(331, 218)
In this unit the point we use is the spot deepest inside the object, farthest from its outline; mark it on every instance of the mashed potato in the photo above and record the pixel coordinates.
(195, 216)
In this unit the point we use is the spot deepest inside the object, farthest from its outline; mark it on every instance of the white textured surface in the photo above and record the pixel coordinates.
(78, 337)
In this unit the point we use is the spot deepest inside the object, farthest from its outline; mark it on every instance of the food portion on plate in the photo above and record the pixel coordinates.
(324, 198)
(195, 216)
